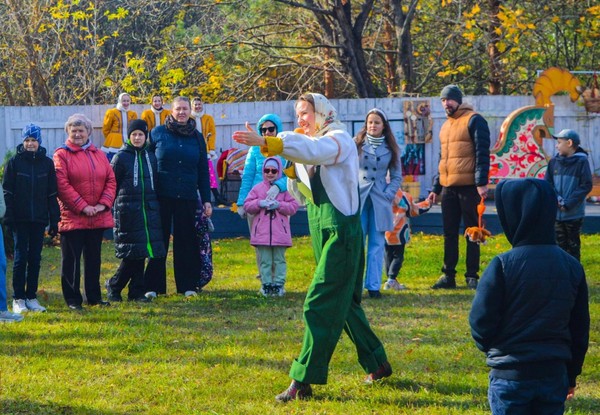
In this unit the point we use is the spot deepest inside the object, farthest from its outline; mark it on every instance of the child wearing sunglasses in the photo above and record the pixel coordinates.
(270, 230)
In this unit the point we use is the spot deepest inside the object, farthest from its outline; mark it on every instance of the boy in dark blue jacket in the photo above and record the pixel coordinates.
(570, 175)
(30, 191)
(530, 314)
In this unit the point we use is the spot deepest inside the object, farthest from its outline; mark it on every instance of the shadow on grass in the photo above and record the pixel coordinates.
(24, 407)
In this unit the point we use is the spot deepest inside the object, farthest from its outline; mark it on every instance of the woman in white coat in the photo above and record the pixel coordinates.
(379, 156)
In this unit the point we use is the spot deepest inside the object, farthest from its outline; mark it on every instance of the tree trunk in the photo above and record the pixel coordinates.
(328, 75)
(402, 23)
(352, 54)
(391, 67)
(496, 78)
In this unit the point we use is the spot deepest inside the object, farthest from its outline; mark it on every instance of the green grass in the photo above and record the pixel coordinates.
(228, 350)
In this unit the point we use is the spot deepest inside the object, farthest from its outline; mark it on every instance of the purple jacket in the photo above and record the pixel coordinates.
(270, 227)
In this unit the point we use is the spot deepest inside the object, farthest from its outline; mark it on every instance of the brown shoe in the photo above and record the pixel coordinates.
(296, 390)
(383, 371)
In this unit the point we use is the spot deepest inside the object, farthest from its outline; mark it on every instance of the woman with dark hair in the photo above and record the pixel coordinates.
(182, 173)
(327, 166)
(86, 192)
(378, 156)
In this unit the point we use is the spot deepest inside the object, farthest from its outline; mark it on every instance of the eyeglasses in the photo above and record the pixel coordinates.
(272, 171)
(269, 129)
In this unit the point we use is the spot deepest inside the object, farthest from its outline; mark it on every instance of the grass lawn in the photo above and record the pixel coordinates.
(228, 350)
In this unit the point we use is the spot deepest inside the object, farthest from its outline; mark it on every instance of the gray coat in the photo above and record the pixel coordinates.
(373, 167)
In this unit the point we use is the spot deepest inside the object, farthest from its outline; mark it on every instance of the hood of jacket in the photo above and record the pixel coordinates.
(461, 110)
(279, 168)
(572, 159)
(41, 152)
(274, 118)
(527, 211)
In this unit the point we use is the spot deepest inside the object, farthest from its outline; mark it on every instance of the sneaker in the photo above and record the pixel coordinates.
(374, 293)
(472, 283)
(8, 317)
(393, 285)
(445, 282)
(383, 371)
(34, 305)
(265, 290)
(277, 291)
(296, 390)
(150, 294)
(19, 306)
(190, 294)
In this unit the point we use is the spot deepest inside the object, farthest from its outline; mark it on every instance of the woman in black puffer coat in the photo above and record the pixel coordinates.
(137, 231)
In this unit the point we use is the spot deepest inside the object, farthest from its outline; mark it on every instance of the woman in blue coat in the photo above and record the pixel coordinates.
(137, 231)
(182, 174)
(378, 155)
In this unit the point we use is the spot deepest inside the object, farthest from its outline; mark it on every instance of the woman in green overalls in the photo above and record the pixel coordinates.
(326, 169)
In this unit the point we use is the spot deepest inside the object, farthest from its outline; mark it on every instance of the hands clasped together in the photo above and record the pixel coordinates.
(269, 204)
(93, 210)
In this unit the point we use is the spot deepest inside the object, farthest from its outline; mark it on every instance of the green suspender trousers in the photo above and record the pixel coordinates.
(333, 299)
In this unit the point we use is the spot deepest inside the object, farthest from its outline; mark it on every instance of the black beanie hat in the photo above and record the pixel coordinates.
(452, 92)
(137, 125)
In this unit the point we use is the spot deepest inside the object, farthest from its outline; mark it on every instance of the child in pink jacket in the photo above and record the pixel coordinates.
(270, 231)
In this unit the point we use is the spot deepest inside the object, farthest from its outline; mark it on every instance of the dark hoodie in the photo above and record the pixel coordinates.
(530, 314)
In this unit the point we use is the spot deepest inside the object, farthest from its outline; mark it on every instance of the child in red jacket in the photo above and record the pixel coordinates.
(270, 231)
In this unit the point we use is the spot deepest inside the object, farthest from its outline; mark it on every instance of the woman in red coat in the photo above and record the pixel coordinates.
(86, 191)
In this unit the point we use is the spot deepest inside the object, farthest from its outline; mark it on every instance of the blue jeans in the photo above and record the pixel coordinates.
(375, 247)
(3, 306)
(528, 397)
(29, 240)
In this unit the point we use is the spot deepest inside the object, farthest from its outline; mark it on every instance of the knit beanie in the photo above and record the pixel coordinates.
(32, 131)
(452, 92)
(137, 124)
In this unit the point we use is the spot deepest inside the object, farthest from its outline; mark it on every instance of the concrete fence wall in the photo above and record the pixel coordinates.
(232, 117)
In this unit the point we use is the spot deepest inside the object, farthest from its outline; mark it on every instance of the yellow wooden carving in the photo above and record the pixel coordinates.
(554, 80)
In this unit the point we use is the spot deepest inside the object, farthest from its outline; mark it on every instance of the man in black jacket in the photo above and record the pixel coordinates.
(530, 314)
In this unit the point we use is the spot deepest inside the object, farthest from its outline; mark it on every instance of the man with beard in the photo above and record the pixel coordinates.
(462, 181)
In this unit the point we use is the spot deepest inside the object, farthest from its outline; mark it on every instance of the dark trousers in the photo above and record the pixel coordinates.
(72, 245)
(459, 202)
(394, 258)
(130, 271)
(29, 238)
(178, 215)
(568, 236)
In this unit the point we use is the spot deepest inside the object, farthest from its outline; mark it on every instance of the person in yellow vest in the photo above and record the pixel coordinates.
(156, 114)
(462, 181)
(115, 125)
(206, 125)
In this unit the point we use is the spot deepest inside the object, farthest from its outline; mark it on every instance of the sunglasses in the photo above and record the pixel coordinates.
(269, 129)
(272, 171)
